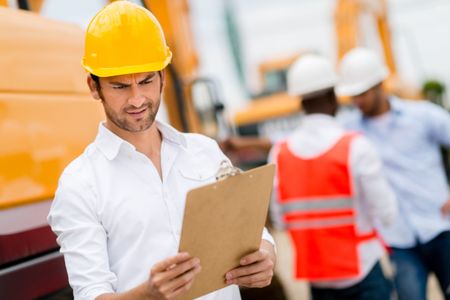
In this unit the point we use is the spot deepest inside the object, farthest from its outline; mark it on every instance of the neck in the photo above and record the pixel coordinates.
(383, 106)
(148, 142)
(326, 110)
(145, 141)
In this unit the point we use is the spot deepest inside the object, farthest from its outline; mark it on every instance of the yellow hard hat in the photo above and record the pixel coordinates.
(124, 38)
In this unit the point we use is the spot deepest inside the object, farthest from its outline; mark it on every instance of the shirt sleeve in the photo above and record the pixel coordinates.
(268, 237)
(82, 238)
(438, 121)
(374, 191)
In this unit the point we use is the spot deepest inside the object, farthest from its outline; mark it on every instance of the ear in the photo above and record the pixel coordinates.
(162, 77)
(93, 87)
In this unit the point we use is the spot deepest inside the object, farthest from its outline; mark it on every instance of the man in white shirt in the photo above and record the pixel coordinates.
(331, 192)
(119, 206)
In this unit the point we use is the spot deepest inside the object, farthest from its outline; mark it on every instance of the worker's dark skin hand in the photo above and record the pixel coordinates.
(445, 209)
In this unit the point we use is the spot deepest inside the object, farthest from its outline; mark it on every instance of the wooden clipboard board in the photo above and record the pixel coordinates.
(223, 221)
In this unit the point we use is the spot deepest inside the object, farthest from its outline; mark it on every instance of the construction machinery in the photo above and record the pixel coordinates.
(47, 118)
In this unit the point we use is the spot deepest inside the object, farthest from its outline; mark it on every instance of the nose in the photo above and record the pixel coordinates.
(136, 98)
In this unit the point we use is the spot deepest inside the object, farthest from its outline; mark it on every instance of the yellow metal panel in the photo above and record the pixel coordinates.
(346, 24)
(39, 55)
(175, 21)
(269, 107)
(41, 134)
(47, 116)
(385, 36)
(35, 5)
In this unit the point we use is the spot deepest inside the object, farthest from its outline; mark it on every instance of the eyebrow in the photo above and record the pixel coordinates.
(148, 77)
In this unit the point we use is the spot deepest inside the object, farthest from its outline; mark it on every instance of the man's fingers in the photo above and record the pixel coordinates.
(176, 270)
(260, 266)
(245, 271)
(258, 255)
(179, 279)
(183, 282)
(258, 284)
(170, 262)
(251, 278)
(163, 280)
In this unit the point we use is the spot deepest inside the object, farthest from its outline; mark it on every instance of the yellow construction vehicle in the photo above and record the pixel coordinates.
(47, 118)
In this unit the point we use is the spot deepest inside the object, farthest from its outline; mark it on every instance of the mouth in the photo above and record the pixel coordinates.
(137, 113)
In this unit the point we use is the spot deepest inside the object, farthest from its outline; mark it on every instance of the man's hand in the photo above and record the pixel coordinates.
(445, 209)
(172, 276)
(256, 269)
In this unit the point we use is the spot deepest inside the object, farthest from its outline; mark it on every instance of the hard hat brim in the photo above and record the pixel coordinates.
(108, 72)
(350, 90)
(311, 90)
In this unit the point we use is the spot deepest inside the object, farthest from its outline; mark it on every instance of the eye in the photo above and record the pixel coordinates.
(148, 81)
(119, 87)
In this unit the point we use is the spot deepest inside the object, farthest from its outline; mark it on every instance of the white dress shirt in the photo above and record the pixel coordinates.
(114, 216)
(374, 199)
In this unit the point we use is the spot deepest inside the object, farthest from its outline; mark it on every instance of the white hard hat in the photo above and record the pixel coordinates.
(360, 70)
(309, 74)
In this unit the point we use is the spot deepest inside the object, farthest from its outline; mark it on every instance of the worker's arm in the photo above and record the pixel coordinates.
(237, 143)
(374, 190)
(256, 269)
(168, 279)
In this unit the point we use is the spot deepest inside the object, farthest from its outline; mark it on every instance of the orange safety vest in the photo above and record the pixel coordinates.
(317, 198)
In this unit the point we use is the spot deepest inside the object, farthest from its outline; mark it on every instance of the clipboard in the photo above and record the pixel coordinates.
(223, 221)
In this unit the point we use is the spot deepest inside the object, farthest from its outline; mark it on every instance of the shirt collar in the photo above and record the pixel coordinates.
(109, 143)
(171, 134)
(396, 105)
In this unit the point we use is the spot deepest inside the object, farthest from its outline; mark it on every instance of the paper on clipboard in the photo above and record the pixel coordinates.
(223, 221)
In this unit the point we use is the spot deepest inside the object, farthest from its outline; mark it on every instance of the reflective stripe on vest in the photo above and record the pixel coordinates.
(320, 223)
(317, 204)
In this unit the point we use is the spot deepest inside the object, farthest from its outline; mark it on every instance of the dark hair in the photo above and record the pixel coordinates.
(96, 79)
(323, 102)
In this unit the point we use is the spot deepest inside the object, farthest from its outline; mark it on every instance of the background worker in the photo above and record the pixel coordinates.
(330, 190)
(407, 134)
(119, 206)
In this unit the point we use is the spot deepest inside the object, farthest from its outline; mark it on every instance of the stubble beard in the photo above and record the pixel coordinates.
(140, 125)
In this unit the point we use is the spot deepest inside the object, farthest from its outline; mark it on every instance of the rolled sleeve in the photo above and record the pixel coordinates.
(82, 238)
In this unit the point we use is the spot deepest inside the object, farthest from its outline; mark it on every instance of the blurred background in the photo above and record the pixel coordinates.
(228, 78)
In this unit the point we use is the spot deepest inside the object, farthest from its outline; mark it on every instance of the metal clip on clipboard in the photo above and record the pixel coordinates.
(226, 170)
